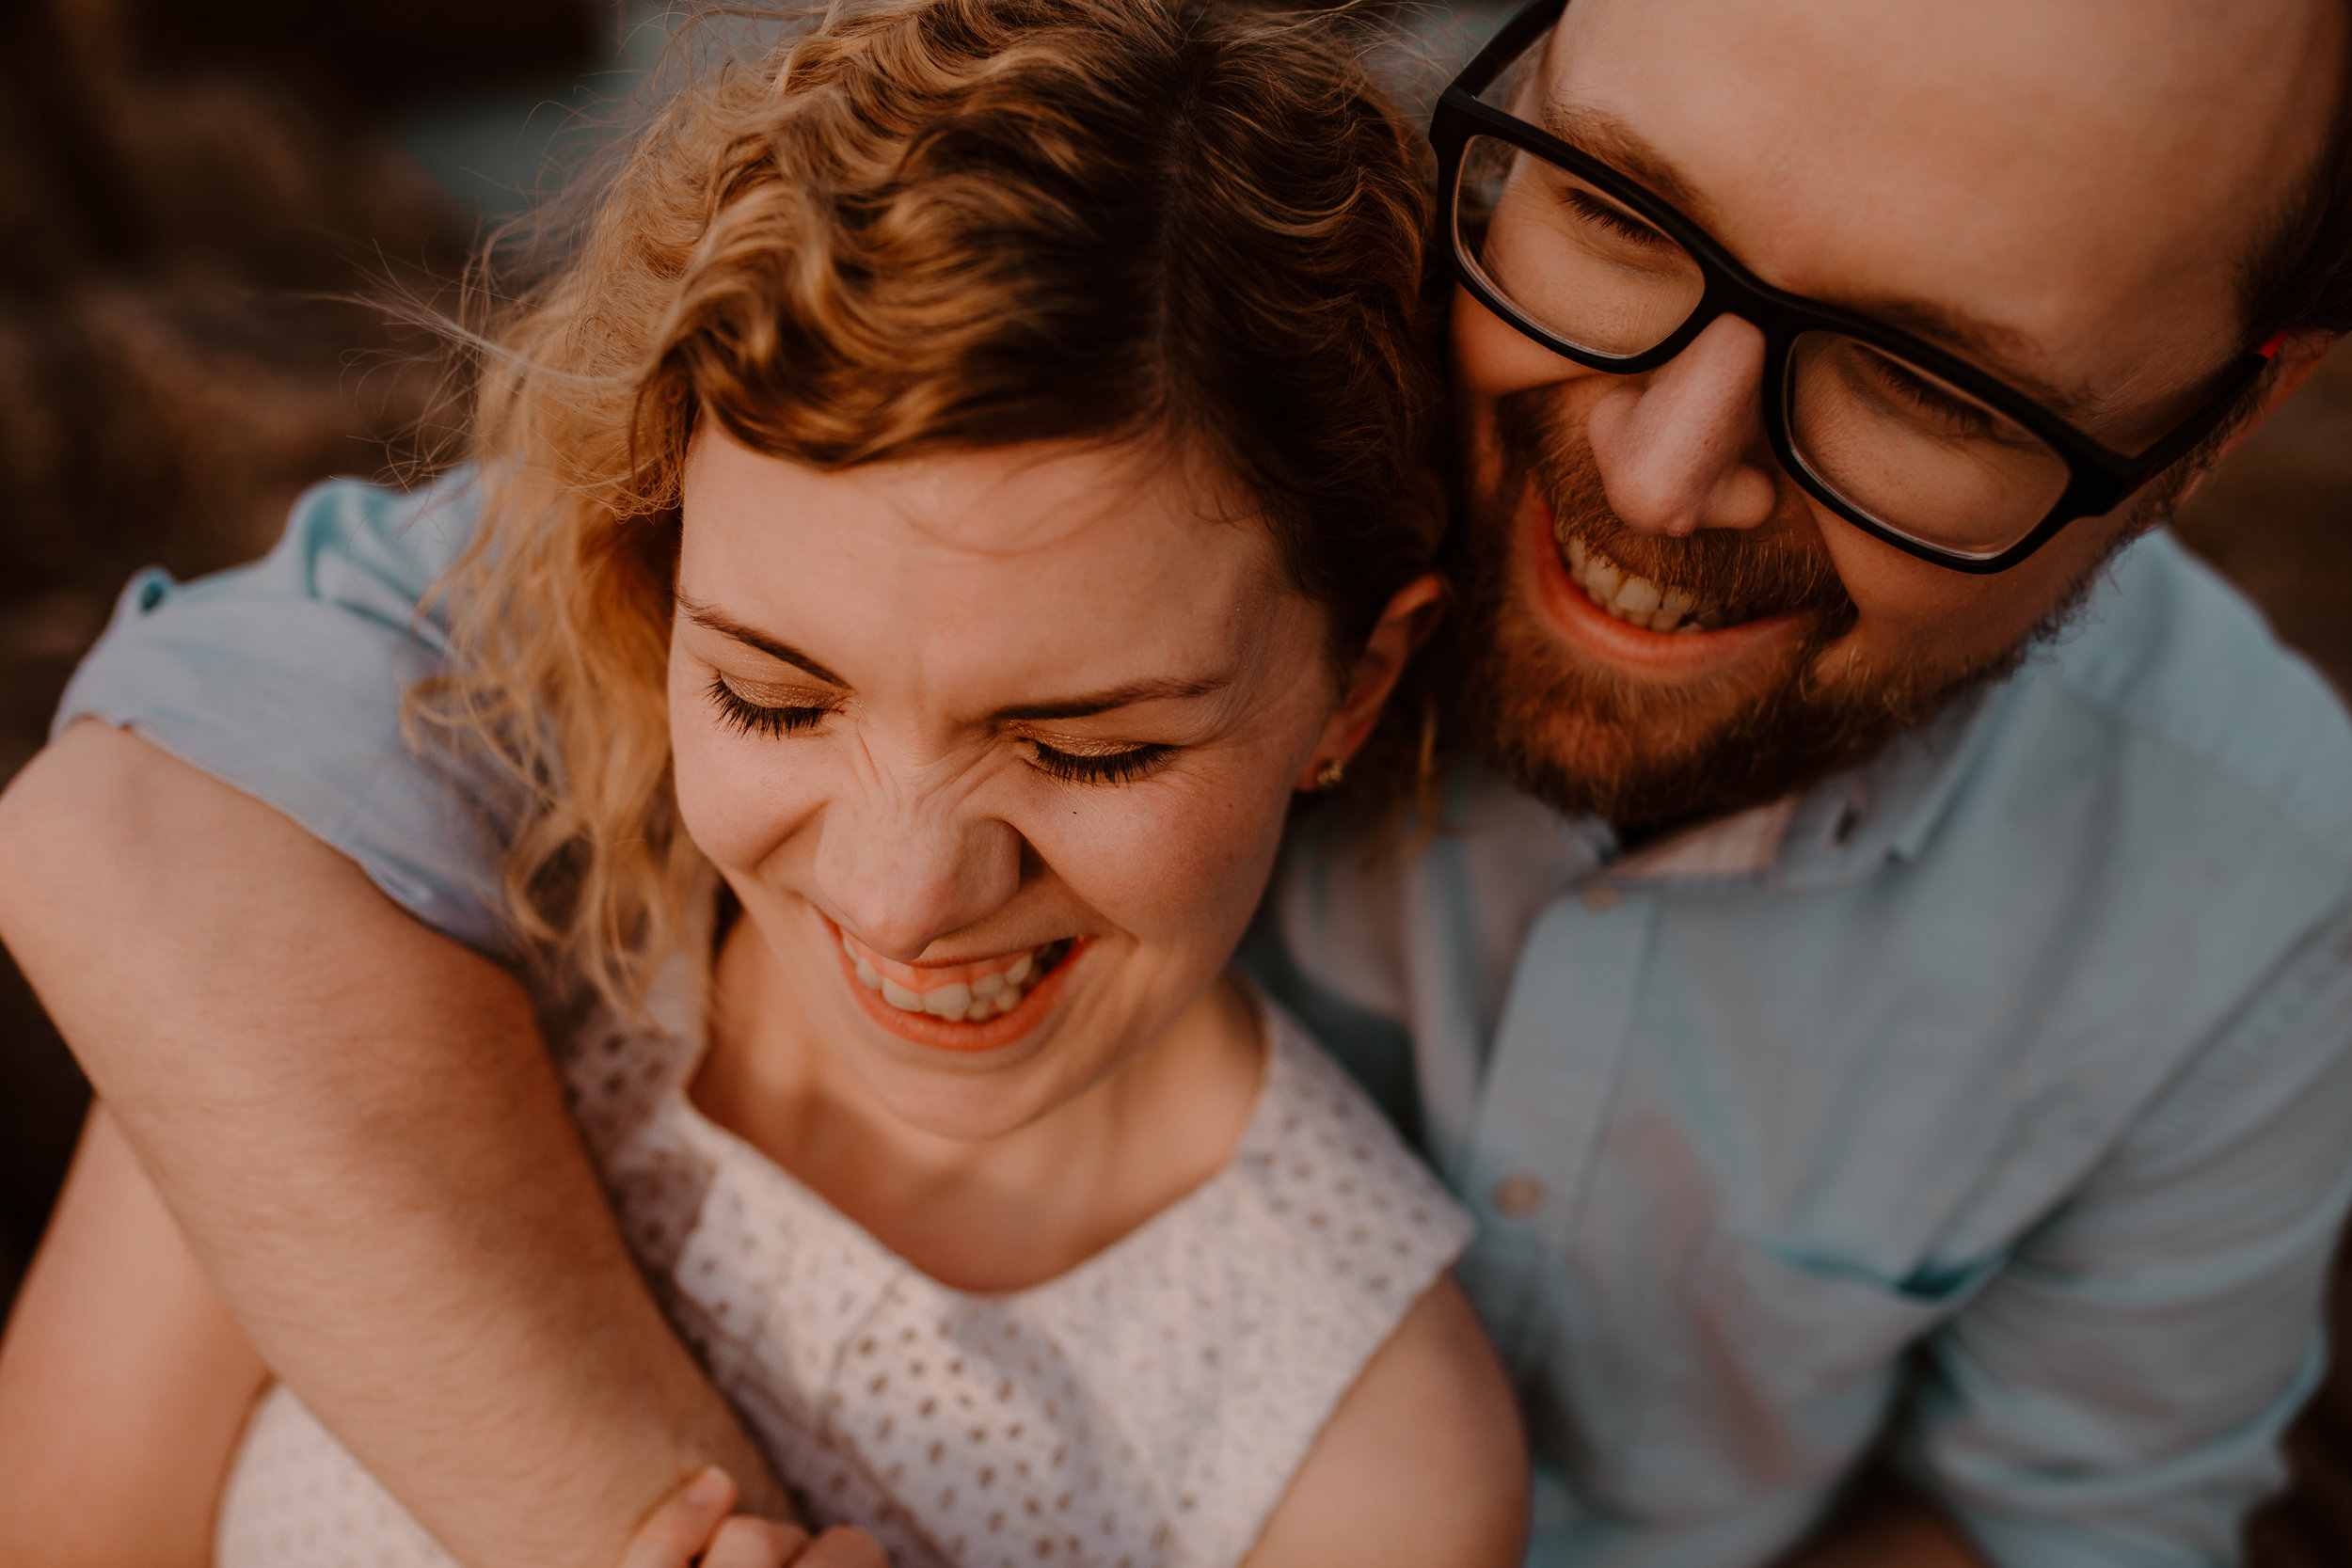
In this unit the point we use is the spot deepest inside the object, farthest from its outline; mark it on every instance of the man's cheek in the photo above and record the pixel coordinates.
(1493, 360)
(1908, 605)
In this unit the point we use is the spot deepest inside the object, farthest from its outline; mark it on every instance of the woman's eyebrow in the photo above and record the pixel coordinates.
(710, 618)
(1117, 697)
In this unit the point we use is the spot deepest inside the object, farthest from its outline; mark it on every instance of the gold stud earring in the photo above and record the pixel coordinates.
(1330, 773)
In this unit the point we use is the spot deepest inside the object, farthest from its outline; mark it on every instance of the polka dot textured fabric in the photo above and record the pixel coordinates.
(1145, 1410)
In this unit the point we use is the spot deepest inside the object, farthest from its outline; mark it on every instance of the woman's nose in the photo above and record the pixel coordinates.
(1682, 448)
(901, 874)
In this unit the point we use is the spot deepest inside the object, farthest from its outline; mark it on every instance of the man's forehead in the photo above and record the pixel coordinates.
(2007, 175)
(1994, 345)
(2094, 68)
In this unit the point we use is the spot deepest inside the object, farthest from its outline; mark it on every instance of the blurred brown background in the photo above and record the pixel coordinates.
(188, 196)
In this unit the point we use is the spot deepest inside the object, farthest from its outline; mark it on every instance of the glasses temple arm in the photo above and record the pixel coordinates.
(2185, 440)
(1511, 42)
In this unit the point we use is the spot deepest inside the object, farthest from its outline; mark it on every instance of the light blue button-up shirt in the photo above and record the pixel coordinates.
(1991, 1107)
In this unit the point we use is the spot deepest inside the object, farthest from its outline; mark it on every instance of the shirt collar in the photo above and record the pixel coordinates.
(1888, 810)
(1746, 844)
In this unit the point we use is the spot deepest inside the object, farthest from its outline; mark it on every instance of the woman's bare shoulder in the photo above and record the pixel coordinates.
(1423, 1465)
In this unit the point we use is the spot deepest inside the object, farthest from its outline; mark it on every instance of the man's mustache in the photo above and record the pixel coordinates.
(1776, 568)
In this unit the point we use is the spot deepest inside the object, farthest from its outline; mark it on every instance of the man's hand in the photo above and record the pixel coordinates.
(693, 1525)
(355, 1126)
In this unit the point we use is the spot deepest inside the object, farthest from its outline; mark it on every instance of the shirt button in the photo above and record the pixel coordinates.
(1849, 818)
(1601, 895)
(1517, 1196)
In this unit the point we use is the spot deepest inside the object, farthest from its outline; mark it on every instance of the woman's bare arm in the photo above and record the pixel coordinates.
(123, 1381)
(353, 1122)
(1423, 1465)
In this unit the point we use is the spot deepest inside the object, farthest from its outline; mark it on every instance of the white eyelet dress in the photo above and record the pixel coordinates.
(1147, 1408)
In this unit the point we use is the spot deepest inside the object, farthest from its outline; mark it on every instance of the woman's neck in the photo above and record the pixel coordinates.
(995, 1216)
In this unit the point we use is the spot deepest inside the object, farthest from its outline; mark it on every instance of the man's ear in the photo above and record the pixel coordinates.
(1411, 615)
(2297, 357)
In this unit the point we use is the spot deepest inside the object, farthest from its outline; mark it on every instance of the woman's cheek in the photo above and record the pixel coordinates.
(733, 801)
(1171, 858)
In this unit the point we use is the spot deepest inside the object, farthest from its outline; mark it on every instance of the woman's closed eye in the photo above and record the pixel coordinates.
(1115, 765)
(739, 713)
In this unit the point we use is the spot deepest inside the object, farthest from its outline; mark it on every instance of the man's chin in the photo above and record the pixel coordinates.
(1641, 750)
(1649, 755)
(1650, 730)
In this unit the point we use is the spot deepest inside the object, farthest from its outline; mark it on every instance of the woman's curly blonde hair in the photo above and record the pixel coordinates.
(926, 225)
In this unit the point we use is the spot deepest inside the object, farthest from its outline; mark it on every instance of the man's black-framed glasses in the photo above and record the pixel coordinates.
(1896, 436)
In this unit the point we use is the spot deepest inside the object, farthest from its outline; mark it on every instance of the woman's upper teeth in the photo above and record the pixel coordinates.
(958, 994)
(1628, 595)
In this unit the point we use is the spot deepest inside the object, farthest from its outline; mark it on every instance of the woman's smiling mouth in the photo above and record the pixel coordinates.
(980, 1005)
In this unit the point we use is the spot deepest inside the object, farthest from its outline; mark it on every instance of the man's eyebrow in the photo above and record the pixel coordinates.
(1604, 135)
(710, 618)
(1117, 697)
(1992, 347)
(1989, 346)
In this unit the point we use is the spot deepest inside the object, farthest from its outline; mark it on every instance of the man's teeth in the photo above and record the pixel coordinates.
(1629, 597)
(958, 994)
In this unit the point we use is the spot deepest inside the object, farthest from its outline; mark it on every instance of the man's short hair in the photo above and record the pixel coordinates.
(2299, 279)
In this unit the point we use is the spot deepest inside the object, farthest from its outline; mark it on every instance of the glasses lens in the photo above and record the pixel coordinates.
(1914, 453)
(1568, 258)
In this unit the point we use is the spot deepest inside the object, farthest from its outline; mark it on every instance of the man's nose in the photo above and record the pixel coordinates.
(1682, 448)
(901, 873)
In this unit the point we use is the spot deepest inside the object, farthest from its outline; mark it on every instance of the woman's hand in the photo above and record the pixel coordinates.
(693, 1527)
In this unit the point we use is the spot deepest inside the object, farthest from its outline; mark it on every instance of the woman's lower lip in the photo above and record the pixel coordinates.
(963, 1038)
(1612, 641)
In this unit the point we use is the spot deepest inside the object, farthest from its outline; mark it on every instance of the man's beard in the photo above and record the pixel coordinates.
(1647, 756)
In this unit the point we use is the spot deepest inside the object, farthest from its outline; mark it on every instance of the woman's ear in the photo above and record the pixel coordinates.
(1411, 615)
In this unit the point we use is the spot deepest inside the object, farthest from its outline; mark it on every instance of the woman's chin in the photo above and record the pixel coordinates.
(975, 1081)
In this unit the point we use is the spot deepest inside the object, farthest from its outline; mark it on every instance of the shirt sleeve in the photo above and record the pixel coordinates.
(2117, 1393)
(286, 679)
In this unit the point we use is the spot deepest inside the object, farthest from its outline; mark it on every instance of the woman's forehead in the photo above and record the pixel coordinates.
(1005, 502)
(1038, 557)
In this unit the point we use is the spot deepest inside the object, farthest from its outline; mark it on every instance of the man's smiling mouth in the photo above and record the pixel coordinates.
(1628, 595)
(1647, 603)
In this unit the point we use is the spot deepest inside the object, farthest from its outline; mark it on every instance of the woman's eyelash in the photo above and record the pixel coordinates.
(741, 714)
(738, 712)
(1109, 767)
